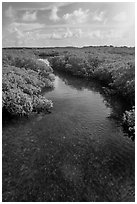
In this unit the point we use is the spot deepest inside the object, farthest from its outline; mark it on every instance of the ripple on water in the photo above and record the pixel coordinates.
(76, 153)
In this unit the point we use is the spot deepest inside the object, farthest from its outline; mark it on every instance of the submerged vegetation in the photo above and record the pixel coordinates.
(24, 75)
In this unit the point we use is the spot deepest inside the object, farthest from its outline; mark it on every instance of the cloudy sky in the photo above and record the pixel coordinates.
(67, 24)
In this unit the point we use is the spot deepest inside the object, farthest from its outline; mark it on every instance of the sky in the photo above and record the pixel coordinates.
(49, 24)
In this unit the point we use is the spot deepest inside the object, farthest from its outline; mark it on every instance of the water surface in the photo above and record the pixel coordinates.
(77, 153)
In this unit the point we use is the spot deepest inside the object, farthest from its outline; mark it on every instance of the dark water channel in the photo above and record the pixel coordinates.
(79, 152)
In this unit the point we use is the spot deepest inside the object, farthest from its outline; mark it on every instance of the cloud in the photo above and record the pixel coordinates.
(120, 17)
(29, 16)
(78, 16)
(19, 36)
(56, 36)
(44, 6)
(24, 33)
(61, 34)
(23, 38)
(18, 33)
(98, 16)
(24, 26)
(115, 34)
(78, 33)
(94, 34)
(105, 34)
(68, 34)
(54, 16)
(10, 12)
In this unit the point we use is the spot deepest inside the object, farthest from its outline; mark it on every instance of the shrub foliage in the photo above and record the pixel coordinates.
(22, 81)
(24, 75)
(113, 67)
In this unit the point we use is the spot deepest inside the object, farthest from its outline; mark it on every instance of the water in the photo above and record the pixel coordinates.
(77, 153)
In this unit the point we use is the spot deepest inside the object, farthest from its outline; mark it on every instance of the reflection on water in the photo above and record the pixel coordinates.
(76, 153)
(69, 85)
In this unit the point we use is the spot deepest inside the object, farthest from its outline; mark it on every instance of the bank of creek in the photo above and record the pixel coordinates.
(79, 152)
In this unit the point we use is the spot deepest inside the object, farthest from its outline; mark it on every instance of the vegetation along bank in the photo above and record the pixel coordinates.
(22, 81)
(24, 75)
